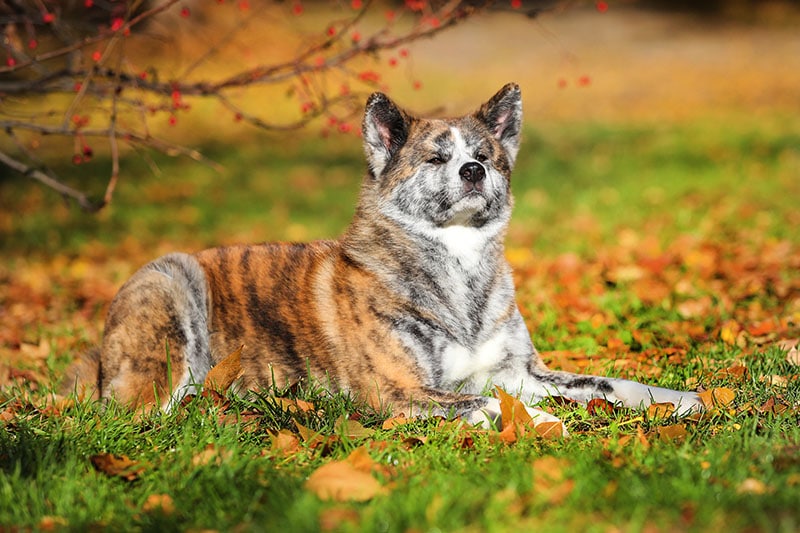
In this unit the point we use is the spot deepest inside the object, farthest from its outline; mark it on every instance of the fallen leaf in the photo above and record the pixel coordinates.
(549, 430)
(395, 421)
(660, 410)
(211, 454)
(52, 523)
(222, 376)
(793, 356)
(512, 411)
(717, 397)
(549, 480)
(285, 442)
(117, 466)
(294, 405)
(596, 406)
(752, 486)
(161, 503)
(675, 432)
(338, 518)
(351, 429)
(343, 481)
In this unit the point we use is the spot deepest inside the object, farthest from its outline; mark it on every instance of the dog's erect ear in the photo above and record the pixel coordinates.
(502, 114)
(385, 130)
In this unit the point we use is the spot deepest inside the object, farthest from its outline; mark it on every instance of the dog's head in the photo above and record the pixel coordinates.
(429, 174)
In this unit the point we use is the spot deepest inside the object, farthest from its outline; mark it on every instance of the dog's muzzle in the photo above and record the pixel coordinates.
(472, 176)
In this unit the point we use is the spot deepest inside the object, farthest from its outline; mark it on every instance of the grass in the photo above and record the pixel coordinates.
(612, 198)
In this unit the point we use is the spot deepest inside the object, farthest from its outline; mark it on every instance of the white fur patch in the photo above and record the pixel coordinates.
(460, 363)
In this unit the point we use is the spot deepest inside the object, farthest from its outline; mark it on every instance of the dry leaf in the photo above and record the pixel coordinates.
(596, 406)
(660, 410)
(211, 454)
(293, 405)
(512, 411)
(675, 432)
(116, 466)
(159, 503)
(342, 481)
(285, 442)
(338, 518)
(549, 430)
(752, 486)
(352, 429)
(395, 421)
(793, 356)
(222, 376)
(717, 397)
(52, 523)
(549, 480)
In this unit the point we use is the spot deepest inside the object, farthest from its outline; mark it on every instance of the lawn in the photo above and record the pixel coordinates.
(665, 252)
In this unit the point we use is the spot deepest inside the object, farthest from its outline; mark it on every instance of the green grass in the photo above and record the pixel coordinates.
(580, 190)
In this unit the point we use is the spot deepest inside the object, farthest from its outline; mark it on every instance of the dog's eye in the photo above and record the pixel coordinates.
(481, 157)
(437, 160)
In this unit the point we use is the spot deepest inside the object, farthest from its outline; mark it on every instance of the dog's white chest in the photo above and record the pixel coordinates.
(460, 363)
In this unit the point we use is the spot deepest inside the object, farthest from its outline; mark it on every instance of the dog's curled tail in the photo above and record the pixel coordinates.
(83, 376)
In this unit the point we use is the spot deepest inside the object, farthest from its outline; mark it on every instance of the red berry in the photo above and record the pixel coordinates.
(47, 18)
(88, 3)
(244, 5)
(345, 127)
(403, 52)
(173, 120)
(77, 87)
(392, 61)
(562, 83)
(390, 15)
(143, 75)
(96, 55)
(602, 7)
(417, 85)
(584, 81)
(297, 9)
(185, 12)
(356, 37)
(77, 159)
(331, 31)
(32, 44)
(87, 153)
(11, 61)
(356, 4)
(237, 117)
(117, 23)
(516, 4)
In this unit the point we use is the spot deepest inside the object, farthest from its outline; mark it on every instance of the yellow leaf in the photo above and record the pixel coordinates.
(222, 376)
(352, 429)
(673, 432)
(717, 397)
(660, 410)
(342, 481)
(116, 465)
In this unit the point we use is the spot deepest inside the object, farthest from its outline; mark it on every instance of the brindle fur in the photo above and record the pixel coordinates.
(412, 308)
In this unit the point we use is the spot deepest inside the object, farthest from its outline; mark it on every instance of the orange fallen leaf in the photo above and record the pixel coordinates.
(550, 482)
(752, 486)
(159, 503)
(222, 376)
(675, 432)
(345, 480)
(395, 421)
(117, 466)
(596, 406)
(512, 411)
(717, 397)
(294, 405)
(660, 410)
(285, 442)
(549, 430)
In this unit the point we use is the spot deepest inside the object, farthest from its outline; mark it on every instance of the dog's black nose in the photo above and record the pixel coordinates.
(472, 172)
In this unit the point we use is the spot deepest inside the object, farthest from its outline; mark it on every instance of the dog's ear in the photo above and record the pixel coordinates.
(502, 114)
(385, 130)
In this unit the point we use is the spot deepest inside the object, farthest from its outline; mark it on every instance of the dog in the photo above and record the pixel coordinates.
(413, 308)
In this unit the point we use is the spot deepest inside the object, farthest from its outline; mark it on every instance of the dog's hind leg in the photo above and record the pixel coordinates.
(156, 342)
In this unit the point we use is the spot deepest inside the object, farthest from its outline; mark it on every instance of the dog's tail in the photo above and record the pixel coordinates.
(83, 376)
